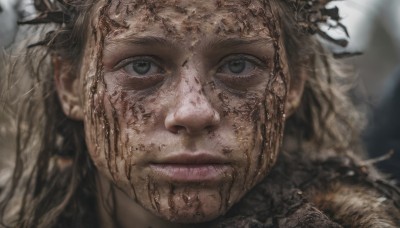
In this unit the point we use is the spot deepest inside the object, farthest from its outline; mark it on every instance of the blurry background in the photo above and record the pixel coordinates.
(374, 28)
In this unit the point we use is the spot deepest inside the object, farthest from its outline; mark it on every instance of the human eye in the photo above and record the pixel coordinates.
(240, 71)
(140, 72)
(237, 66)
(141, 67)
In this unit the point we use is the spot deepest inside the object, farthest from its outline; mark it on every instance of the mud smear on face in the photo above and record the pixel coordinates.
(96, 85)
(264, 111)
(225, 191)
(171, 202)
(128, 172)
(246, 111)
(151, 13)
(187, 198)
(101, 124)
(154, 194)
(191, 202)
(270, 123)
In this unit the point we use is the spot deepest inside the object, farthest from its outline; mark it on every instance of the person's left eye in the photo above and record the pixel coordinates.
(241, 71)
(238, 66)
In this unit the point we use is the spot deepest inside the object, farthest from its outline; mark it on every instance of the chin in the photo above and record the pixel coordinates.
(185, 216)
(194, 205)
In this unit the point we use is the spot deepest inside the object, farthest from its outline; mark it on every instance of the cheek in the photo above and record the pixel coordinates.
(270, 126)
(257, 120)
(242, 115)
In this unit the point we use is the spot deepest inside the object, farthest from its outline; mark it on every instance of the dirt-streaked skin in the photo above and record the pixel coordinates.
(189, 102)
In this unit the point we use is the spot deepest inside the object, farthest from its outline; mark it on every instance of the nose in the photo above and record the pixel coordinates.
(193, 112)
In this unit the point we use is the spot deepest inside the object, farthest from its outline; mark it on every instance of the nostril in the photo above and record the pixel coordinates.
(211, 128)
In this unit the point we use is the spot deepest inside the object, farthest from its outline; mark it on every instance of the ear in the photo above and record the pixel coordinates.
(296, 88)
(67, 85)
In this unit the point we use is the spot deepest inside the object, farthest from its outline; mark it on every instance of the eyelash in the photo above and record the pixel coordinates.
(130, 61)
(245, 79)
(224, 61)
(241, 57)
(155, 74)
(248, 59)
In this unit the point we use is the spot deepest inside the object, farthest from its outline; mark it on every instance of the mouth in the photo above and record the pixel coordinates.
(188, 167)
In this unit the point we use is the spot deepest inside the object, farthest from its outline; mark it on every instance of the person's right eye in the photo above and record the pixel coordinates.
(141, 67)
(139, 73)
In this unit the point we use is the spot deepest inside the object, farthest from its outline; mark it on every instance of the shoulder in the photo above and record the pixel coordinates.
(347, 192)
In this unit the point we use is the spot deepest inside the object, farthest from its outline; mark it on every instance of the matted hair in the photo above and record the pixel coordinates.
(40, 194)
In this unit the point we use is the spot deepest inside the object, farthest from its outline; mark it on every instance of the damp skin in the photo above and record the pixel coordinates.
(183, 102)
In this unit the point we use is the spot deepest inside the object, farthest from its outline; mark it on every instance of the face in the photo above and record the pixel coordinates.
(184, 102)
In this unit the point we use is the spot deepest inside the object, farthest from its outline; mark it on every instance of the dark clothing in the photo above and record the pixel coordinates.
(335, 192)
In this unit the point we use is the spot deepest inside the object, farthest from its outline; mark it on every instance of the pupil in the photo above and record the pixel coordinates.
(237, 66)
(141, 67)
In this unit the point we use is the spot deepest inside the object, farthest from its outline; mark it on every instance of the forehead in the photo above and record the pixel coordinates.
(180, 19)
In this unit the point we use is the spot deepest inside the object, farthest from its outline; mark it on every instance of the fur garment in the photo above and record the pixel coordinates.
(334, 192)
